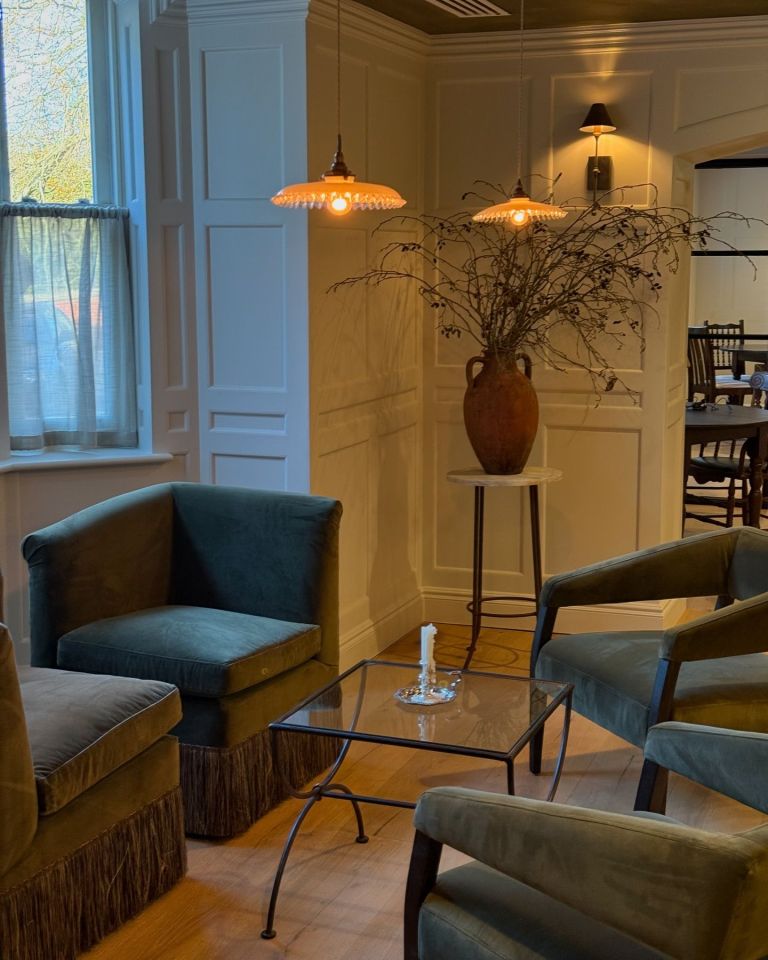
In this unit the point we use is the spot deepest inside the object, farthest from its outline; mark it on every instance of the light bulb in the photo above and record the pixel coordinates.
(339, 206)
(520, 218)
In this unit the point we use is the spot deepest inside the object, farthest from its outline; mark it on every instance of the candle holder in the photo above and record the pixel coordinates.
(427, 691)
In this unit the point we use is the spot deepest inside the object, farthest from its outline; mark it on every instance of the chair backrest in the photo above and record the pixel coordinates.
(18, 796)
(722, 335)
(260, 552)
(701, 368)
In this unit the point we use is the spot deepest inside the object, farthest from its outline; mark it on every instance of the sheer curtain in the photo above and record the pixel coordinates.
(68, 326)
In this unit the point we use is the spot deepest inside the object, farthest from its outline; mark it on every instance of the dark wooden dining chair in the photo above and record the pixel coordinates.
(725, 463)
(722, 336)
(702, 376)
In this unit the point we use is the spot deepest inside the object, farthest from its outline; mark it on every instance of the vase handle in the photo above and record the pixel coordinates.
(470, 369)
(527, 365)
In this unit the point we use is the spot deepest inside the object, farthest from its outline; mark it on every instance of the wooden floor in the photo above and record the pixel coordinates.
(343, 901)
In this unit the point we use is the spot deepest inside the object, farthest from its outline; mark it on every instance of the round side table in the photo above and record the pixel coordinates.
(531, 477)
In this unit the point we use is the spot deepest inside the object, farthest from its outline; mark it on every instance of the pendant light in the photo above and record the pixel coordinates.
(338, 191)
(519, 209)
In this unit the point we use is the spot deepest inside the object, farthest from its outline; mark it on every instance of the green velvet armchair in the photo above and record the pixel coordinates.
(552, 882)
(91, 821)
(228, 593)
(708, 671)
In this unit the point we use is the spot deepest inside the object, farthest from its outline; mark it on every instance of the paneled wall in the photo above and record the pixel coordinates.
(669, 90)
(365, 345)
(248, 138)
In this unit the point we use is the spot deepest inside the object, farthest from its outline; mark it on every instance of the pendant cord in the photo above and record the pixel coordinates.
(520, 98)
(338, 68)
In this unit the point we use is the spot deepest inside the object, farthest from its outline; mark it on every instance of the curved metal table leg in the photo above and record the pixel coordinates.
(313, 796)
(361, 835)
(563, 744)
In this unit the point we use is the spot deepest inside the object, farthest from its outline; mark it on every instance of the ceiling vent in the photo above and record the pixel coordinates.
(470, 8)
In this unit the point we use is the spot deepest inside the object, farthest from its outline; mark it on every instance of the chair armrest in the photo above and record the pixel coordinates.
(105, 561)
(733, 762)
(729, 632)
(697, 566)
(670, 886)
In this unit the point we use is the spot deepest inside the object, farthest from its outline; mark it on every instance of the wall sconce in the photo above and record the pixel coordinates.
(599, 169)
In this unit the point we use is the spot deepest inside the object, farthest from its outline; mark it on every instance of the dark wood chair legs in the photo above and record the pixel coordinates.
(652, 790)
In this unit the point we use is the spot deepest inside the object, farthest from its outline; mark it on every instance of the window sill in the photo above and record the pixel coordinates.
(75, 460)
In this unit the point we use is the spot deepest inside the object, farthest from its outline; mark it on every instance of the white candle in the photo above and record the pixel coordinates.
(428, 645)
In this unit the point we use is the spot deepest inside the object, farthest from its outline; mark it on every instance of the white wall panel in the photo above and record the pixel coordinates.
(627, 95)
(712, 92)
(244, 146)
(168, 72)
(476, 127)
(267, 473)
(607, 464)
(248, 95)
(177, 334)
(247, 323)
(365, 342)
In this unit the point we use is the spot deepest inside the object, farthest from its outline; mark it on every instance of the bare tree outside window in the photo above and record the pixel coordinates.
(45, 55)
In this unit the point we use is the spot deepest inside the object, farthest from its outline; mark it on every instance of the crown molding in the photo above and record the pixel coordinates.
(218, 11)
(362, 23)
(640, 37)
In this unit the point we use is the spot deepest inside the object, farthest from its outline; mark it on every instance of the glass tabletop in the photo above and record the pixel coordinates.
(492, 715)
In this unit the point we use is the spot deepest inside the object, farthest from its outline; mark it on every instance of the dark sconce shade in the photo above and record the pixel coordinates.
(597, 121)
(599, 169)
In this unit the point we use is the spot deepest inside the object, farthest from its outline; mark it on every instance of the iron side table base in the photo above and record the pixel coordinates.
(475, 606)
(328, 788)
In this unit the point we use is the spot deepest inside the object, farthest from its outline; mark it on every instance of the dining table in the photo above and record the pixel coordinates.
(755, 350)
(710, 422)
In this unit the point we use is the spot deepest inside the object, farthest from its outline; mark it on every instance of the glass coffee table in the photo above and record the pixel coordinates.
(493, 717)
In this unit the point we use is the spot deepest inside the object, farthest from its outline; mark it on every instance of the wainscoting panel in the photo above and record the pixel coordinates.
(244, 147)
(170, 260)
(246, 265)
(365, 341)
(168, 69)
(476, 126)
(627, 95)
(252, 289)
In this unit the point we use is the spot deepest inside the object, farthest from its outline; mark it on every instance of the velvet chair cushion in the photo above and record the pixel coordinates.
(204, 652)
(613, 676)
(732, 762)
(18, 803)
(84, 727)
(477, 913)
(226, 721)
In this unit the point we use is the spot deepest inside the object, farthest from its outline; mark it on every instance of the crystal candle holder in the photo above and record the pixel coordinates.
(427, 691)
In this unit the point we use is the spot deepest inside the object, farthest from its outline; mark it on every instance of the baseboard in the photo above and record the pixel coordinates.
(370, 638)
(450, 606)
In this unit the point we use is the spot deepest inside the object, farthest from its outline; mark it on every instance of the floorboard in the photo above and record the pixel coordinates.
(343, 900)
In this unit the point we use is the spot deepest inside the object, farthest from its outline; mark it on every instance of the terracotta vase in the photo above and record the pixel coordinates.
(501, 413)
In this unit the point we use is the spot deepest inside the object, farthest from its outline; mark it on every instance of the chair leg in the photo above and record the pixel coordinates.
(730, 506)
(652, 789)
(535, 750)
(425, 861)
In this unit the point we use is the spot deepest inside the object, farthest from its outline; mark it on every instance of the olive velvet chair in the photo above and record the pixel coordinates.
(228, 593)
(91, 821)
(553, 882)
(709, 671)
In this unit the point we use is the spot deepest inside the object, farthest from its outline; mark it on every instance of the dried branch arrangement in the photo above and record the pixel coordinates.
(597, 274)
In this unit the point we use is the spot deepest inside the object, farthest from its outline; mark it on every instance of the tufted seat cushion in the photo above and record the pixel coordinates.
(203, 651)
(81, 727)
(613, 675)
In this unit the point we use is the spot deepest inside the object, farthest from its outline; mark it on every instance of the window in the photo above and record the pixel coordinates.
(67, 319)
